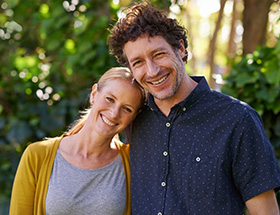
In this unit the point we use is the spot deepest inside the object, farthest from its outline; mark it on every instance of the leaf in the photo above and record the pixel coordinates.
(19, 132)
(276, 107)
(12, 3)
(246, 78)
(272, 72)
(25, 62)
(52, 45)
(277, 127)
(262, 94)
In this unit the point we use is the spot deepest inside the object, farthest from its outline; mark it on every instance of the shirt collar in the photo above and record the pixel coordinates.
(201, 90)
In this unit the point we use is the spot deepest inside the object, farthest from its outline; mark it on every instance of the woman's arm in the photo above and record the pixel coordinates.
(22, 199)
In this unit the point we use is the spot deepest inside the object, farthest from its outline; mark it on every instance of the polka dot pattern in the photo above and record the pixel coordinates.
(209, 156)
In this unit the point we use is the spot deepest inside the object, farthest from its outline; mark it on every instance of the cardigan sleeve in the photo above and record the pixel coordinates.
(32, 176)
(124, 152)
(23, 192)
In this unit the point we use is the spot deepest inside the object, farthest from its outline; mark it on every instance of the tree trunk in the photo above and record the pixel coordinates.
(212, 46)
(255, 17)
(192, 62)
(231, 43)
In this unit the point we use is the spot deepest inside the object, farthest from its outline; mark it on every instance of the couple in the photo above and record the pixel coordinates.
(192, 150)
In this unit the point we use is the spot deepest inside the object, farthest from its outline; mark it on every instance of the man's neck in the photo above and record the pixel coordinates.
(185, 89)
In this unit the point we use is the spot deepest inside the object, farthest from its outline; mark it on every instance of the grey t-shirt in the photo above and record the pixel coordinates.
(76, 191)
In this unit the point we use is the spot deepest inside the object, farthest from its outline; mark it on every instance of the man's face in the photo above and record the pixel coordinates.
(155, 65)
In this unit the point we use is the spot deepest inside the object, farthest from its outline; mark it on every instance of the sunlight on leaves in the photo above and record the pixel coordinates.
(44, 10)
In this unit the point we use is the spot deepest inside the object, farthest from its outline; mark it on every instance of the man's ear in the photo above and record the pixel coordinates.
(182, 49)
(92, 93)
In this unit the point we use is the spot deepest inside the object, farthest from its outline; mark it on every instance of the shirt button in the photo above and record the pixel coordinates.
(165, 153)
(184, 108)
(163, 184)
(159, 213)
(197, 159)
(167, 124)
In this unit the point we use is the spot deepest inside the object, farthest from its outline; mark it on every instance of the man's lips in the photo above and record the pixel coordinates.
(159, 81)
(107, 121)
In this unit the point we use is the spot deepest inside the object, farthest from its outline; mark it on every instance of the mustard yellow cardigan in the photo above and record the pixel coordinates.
(33, 174)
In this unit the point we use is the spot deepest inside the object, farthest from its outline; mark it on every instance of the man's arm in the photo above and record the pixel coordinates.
(263, 204)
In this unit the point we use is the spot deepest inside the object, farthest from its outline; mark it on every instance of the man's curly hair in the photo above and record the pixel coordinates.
(141, 19)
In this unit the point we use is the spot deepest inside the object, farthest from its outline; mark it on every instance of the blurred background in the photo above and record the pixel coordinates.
(52, 52)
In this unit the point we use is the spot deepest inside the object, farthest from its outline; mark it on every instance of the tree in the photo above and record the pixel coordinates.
(51, 54)
(212, 45)
(255, 18)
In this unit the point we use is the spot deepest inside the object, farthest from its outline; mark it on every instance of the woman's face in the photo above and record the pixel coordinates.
(114, 106)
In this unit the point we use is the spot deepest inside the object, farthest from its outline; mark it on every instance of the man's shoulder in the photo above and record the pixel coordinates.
(235, 103)
(145, 112)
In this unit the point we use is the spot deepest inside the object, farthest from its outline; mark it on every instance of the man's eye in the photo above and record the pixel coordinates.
(159, 54)
(109, 99)
(136, 63)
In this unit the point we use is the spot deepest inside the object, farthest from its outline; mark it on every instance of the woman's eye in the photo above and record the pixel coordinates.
(128, 110)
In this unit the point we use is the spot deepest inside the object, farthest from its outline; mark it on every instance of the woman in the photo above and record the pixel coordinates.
(86, 170)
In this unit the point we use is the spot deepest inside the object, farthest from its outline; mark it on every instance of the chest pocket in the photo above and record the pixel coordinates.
(199, 176)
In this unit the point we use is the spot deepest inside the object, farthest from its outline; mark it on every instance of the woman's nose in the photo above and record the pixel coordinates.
(115, 111)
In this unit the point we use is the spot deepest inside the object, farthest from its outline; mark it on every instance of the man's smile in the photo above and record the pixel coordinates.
(159, 81)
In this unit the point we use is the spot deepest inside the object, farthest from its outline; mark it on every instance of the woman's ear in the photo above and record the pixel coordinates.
(92, 94)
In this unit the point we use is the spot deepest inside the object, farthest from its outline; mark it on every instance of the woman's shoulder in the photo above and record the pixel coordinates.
(124, 152)
(120, 145)
(44, 146)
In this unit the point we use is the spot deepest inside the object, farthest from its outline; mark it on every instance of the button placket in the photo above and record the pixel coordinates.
(165, 158)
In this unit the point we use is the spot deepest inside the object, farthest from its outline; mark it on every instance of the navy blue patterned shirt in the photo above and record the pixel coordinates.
(209, 156)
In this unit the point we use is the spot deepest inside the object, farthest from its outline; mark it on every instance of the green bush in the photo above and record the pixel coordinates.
(255, 79)
(51, 54)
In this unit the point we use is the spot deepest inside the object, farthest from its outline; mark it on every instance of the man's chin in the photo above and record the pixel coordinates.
(162, 96)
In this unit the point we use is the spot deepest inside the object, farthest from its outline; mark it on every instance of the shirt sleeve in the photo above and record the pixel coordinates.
(23, 192)
(255, 169)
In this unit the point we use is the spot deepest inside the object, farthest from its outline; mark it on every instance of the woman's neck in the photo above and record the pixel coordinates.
(88, 150)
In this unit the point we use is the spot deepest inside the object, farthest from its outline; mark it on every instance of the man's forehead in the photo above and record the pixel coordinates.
(146, 43)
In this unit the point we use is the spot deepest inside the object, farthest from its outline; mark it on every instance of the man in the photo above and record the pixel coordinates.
(193, 150)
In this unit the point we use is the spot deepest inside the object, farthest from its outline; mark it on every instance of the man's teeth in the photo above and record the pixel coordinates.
(160, 80)
(107, 121)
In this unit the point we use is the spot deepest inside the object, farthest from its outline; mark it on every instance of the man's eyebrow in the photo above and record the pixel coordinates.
(158, 49)
(134, 59)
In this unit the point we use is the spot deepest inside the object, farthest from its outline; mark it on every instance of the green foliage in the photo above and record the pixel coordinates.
(51, 54)
(255, 79)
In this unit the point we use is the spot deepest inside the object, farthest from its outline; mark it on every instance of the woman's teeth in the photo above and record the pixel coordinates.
(107, 121)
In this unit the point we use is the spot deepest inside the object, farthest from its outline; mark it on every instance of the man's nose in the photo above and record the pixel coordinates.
(152, 68)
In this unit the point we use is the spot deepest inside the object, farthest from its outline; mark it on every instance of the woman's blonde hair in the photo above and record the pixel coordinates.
(114, 73)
